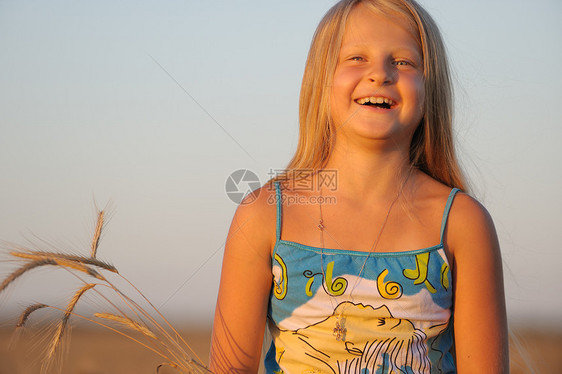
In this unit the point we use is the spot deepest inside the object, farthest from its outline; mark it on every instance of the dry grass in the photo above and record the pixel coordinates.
(94, 351)
(132, 317)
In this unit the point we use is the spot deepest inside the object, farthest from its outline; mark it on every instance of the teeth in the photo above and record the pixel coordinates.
(375, 100)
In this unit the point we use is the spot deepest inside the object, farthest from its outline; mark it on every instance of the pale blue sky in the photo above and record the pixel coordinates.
(87, 112)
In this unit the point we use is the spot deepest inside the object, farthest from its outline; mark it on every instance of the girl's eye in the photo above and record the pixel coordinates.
(403, 63)
(356, 58)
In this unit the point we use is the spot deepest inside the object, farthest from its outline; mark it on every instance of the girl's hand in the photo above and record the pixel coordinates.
(480, 325)
(245, 284)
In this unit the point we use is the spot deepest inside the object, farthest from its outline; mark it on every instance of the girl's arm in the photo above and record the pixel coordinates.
(480, 323)
(246, 279)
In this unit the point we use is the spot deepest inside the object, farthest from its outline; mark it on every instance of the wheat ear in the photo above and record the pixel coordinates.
(114, 330)
(140, 313)
(52, 259)
(78, 266)
(27, 312)
(61, 326)
(41, 255)
(125, 321)
(19, 272)
(97, 233)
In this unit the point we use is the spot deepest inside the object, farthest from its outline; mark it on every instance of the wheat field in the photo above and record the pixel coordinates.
(92, 351)
(95, 351)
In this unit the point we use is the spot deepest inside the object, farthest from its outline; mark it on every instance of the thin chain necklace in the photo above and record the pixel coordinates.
(340, 330)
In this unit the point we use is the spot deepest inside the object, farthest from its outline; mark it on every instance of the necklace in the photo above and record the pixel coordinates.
(340, 330)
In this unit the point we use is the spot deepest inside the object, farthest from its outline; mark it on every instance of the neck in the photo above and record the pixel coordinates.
(370, 173)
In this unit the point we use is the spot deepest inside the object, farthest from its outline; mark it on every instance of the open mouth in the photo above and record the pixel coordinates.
(376, 101)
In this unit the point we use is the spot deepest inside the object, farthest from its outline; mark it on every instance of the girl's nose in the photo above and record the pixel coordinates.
(380, 75)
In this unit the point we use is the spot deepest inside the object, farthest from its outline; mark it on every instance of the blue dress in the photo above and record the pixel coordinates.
(394, 318)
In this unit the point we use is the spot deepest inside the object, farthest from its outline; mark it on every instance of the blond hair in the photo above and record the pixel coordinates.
(432, 146)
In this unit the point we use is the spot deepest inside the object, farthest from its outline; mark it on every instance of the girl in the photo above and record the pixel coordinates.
(364, 256)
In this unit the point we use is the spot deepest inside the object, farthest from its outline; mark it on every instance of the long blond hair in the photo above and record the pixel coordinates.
(432, 146)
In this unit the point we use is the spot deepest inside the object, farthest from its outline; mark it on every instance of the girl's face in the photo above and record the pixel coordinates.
(378, 86)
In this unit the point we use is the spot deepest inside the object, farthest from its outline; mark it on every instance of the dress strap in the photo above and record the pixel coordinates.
(279, 211)
(446, 212)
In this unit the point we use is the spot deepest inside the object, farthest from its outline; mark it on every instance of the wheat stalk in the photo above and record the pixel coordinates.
(113, 330)
(178, 353)
(176, 333)
(61, 326)
(125, 321)
(170, 346)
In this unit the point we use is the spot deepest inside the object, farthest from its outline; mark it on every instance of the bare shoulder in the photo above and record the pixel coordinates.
(260, 203)
(468, 216)
(255, 219)
(470, 229)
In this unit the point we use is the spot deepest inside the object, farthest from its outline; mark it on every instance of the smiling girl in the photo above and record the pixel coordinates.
(385, 265)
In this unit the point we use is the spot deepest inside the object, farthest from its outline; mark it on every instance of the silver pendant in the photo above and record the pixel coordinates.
(340, 330)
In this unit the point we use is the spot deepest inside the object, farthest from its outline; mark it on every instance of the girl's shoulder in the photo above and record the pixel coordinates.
(467, 216)
(469, 228)
(469, 219)
(263, 203)
(255, 216)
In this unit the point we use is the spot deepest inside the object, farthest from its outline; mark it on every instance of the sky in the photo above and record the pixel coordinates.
(147, 107)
